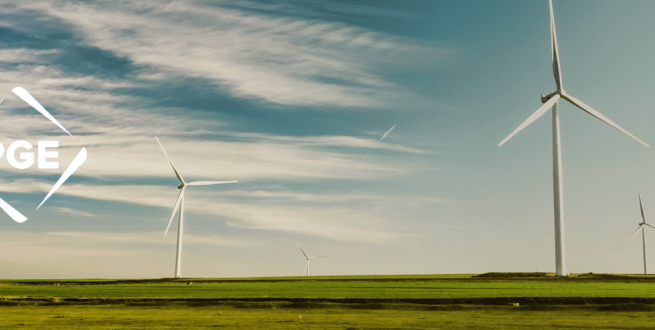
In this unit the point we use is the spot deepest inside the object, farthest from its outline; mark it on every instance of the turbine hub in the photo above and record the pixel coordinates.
(180, 186)
(545, 99)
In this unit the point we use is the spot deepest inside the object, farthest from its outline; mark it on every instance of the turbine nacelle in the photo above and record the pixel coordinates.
(545, 99)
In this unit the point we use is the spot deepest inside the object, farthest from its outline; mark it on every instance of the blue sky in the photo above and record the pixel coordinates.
(288, 97)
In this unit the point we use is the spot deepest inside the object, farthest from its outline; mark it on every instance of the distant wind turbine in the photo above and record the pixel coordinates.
(308, 259)
(551, 101)
(179, 203)
(380, 140)
(642, 227)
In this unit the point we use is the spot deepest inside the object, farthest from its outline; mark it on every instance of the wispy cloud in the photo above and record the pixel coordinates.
(337, 217)
(285, 60)
(67, 210)
(21, 55)
(120, 138)
(276, 59)
(156, 238)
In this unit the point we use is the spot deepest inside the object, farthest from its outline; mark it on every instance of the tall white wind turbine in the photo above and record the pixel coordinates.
(642, 227)
(179, 204)
(308, 260)
(551, 101)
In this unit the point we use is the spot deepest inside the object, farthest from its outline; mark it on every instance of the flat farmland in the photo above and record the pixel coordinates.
(351, 287)
(319, 316)
(488, 301)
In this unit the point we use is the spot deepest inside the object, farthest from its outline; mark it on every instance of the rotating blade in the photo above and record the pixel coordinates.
(534, 116)
(557, 70)
(641, 206)
(177, 206)
(304, 270)
(598, 115)
(179, 177)
(633, 235)
(303, 251)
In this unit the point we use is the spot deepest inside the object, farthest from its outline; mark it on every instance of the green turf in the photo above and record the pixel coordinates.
(324, 317)
(393, 287)
(609, 302)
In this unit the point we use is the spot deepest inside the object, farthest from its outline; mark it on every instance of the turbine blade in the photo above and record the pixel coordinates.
(27, 97)
(74, 165)
(179, 177)
(540, 112)
(312, 258)
(207, 183)
(12, 212)
(598, 115)
(557, 70)
(633, 235)
(304, 270)
(641, 206)
(648, 224)
(303, 251)
(177, 206)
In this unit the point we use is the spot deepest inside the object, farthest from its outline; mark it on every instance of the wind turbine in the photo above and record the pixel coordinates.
(642, 227)
(179, 203)
(551, 101)
(308, 259)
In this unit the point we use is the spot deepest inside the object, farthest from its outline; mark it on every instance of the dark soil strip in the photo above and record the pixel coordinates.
(503, 301)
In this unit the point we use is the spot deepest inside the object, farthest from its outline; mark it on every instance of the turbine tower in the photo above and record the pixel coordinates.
(642, 227)
(308, 259)
(179, 203)
(551, 101)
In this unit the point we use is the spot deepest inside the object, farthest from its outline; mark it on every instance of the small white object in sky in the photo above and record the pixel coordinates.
(387, 133)
(382, 138)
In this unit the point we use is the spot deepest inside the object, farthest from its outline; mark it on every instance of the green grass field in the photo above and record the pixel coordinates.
(319, 318)
(344, 302)
(369, 287)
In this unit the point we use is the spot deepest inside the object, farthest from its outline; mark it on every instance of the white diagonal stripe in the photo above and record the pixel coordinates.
(27, 97)
(75, 164)
(12, 212)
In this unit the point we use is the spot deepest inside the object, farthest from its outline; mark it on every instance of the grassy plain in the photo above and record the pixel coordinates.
(326, 317)
(346, 302)
(369, 287)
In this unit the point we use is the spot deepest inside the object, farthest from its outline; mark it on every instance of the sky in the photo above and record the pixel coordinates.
(292, 99)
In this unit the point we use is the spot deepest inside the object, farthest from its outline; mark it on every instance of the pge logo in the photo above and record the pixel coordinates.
(27, 158)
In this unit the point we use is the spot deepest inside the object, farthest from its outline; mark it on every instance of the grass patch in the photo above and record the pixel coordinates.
(325, 316)
(417, 289)
(489, 301)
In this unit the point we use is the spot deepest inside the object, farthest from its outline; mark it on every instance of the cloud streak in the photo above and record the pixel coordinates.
(337, 217)
(285, 60)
